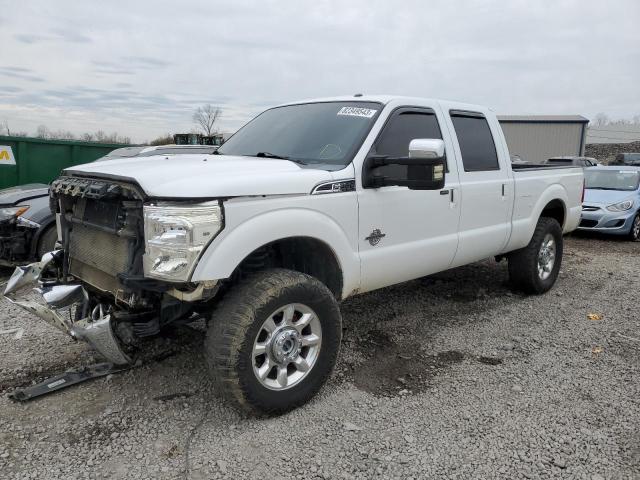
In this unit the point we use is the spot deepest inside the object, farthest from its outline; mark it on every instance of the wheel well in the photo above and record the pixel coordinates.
(555, 209)
(303, 254)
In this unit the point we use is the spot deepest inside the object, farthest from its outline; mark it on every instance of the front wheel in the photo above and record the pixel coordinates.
(634, 234)
(273, 341)
(534, 268)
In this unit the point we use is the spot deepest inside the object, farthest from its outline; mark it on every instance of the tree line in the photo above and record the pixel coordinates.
(205, 118)
(602, 120)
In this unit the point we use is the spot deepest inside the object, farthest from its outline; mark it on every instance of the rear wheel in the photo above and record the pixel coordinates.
(273, 341)
(634, 234)
(534, 269)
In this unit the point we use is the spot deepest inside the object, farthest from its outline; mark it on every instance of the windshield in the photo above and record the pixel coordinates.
(612, 179)
(326, 133)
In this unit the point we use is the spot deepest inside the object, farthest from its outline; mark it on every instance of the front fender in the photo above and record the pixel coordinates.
(236, 242)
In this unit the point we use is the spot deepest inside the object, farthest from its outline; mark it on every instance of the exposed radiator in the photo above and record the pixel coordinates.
(97, 257)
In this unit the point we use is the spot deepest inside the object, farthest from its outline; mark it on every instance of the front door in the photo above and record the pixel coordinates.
(406, 234)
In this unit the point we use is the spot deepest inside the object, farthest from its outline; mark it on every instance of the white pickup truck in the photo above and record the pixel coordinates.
(306, 205)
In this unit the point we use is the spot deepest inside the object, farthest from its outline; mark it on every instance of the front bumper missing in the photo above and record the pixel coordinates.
(58, 305)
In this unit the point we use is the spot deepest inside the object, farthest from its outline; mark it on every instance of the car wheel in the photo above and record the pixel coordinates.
(634, 234)
(534, 269)
(47, 241)
(273, 341)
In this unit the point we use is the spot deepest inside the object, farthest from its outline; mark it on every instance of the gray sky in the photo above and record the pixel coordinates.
(141, 67)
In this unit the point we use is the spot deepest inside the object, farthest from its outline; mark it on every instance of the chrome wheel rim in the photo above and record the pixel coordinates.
(546, 257)
(287, 346)
(636, 228)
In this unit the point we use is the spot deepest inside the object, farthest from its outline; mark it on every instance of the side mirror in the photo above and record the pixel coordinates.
(426, 148)
(423, 169)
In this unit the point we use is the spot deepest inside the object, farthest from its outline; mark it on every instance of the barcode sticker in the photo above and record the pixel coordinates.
(357, 112)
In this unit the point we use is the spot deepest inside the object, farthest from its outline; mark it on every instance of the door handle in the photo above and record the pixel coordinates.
(444, 192)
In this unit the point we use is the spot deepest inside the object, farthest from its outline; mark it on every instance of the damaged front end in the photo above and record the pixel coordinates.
(100, 286)
(16, 240)
(66, 307)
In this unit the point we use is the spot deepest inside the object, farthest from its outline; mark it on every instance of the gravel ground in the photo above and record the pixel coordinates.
(451, 376)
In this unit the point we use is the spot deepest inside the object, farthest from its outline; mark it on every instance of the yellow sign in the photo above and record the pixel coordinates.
(6, 155)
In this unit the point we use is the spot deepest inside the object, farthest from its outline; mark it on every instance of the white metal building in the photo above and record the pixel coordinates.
(535, 138)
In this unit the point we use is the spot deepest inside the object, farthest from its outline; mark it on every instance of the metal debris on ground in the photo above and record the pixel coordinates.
(66, 379)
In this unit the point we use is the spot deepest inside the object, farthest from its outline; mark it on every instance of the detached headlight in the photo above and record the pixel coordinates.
(175, 236)
(7, 213)
(620, 207)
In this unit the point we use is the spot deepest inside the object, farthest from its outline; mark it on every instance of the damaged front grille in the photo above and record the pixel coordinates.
(102, 231)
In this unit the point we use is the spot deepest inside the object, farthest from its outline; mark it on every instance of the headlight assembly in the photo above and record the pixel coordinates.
(175, 235)
(7, 213)
(620, 207)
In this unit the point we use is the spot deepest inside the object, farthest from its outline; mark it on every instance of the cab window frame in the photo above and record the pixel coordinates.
(407, 109)
(453, 114)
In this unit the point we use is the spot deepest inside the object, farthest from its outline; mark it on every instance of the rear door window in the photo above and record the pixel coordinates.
(476, 141)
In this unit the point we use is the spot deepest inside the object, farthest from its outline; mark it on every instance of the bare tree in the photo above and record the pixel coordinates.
(43, 132)
(162, 140)
(4, 128)
(205, 117)
(601, 120)
(63, 135)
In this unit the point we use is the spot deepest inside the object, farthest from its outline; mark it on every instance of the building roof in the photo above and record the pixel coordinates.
(543, 119)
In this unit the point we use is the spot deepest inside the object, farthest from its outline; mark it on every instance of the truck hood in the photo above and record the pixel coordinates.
(14, 195)
(607, 197)
(207, 176)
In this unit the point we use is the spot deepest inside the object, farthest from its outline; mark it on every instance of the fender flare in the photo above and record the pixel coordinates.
(236, 242)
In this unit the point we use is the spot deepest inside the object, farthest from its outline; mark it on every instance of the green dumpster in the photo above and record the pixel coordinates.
(35, 160)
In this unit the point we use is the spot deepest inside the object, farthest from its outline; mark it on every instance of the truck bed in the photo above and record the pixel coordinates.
(539, 166)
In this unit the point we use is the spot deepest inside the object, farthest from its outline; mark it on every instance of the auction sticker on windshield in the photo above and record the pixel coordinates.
(357, 112)
(6, 155)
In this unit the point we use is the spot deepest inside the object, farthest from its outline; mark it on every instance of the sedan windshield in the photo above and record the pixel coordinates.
(325, 133)
(612, 179)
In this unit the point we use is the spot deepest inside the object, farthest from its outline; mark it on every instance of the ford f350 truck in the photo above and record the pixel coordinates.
(306, 205)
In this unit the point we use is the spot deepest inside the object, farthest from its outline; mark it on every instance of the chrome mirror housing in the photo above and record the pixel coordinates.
(426, 148)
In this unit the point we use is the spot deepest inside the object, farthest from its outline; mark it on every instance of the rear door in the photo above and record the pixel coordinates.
(405, 234)
(486, 186)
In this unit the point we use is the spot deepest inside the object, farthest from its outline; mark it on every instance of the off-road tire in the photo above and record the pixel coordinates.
(236, 321)
(523, 269)
(634, 235)
(46, 241)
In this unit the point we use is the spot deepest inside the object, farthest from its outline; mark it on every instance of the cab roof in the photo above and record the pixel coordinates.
(386, 99)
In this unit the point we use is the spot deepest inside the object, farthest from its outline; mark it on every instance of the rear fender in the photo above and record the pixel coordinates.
(524, 225)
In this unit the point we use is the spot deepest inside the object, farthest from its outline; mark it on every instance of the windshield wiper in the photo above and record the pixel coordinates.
(271, 155)
(278, 157)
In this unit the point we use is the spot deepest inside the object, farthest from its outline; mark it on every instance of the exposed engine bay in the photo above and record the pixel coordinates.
(94, 286)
